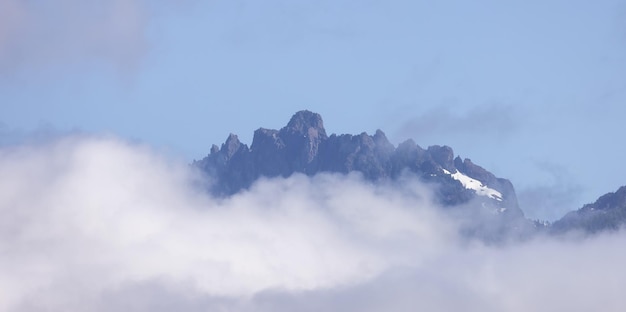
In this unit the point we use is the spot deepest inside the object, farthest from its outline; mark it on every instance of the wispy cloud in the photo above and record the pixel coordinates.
(553, 199)
(35, 34)
(491, 121)
(99, 224)
(44, 132)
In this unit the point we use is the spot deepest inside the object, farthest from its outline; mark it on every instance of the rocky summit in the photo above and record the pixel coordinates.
(303, 146)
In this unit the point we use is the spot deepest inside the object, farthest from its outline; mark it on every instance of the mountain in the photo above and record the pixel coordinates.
(485, 204)
(303, 146)
(608, 213)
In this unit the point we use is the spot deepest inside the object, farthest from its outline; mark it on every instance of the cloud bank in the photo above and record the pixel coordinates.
(99, 224)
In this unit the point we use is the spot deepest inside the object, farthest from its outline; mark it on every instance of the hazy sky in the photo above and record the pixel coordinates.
(534, 91)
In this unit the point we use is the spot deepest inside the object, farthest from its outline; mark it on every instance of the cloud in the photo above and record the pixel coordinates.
(82, 216)
(552, 200)
(10, 136)
(36, 34)
(99, 224)
(494, 121)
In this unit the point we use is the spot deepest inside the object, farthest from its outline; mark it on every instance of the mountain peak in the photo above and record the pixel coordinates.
(232, 145)
(305, 122)
(302, 146)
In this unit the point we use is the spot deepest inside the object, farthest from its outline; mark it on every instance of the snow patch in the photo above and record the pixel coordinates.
(473, 184)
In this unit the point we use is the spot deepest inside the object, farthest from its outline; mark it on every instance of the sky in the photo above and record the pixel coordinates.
(531, 90)
(103, 104)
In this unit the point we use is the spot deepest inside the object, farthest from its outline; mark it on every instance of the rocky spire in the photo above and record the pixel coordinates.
(306, 123)
(231, 146)
(303, 136)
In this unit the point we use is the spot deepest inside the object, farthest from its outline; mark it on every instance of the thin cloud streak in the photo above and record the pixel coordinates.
(489, 121)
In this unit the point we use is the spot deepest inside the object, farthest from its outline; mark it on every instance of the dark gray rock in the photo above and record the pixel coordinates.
(303, 136)
(442, 156)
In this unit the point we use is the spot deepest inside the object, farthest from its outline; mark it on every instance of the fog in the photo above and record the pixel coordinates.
(93, 223)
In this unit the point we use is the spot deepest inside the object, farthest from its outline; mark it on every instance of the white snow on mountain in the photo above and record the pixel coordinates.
(473, 184)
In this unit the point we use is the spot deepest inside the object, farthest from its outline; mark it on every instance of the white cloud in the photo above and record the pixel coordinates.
(98, 224)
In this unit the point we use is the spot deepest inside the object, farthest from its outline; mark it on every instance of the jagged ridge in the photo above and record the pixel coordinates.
(304, 147)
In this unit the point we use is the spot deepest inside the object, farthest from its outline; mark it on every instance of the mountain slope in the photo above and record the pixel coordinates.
(605, 214)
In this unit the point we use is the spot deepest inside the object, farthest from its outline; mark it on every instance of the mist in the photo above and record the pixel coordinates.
(96, 223)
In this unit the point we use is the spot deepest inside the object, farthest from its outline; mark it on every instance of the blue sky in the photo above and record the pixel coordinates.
(534, 91)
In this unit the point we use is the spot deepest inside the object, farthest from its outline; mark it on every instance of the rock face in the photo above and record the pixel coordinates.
(608, 213)
(304, 147)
